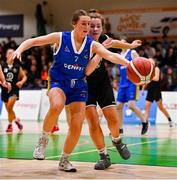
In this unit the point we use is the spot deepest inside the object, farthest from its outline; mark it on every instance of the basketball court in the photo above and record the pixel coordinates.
(152, 155)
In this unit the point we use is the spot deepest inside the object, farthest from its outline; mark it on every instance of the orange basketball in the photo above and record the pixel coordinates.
(140, 71)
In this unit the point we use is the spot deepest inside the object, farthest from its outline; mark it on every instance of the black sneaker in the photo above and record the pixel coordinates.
(122, 149)
(121, 131)
(103, 163)
(144, 127)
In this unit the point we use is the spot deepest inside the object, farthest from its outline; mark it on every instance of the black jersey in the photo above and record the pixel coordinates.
(99, 86)
(11, 72)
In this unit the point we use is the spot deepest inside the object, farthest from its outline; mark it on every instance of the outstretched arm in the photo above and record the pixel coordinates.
(126, 45)
(108, 55)
(38, 41)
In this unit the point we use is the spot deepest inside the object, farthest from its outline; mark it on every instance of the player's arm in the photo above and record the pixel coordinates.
(93, 63)
(156, 74)
(23, 78)
(3, 81)
(95, 60)
(125, 45)
(53, 38)
(108, 55)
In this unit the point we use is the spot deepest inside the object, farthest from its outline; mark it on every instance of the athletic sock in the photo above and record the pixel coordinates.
(116, 139)
(103, 151)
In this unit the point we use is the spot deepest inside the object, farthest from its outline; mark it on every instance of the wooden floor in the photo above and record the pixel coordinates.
(32, 169)
(48, 169)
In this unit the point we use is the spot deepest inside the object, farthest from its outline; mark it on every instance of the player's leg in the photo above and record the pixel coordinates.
(77, 116)
(146, 116)
(120, 106)
(97, 137)
(121, 99)
(57, 101)
(110, 114)
(164, 111)
(10, 112)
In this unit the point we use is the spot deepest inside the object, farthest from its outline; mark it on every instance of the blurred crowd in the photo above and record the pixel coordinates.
(37, 61)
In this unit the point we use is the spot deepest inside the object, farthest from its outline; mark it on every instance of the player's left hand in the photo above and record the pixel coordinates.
(136, 43)
(19, 84)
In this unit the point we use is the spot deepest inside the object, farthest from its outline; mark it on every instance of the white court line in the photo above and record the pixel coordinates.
(112, 147)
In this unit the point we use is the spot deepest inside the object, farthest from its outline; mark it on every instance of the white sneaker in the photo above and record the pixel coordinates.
(39, 150)
(65, 165)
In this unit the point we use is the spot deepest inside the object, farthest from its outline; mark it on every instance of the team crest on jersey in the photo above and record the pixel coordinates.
(5, 70)
(15, 70)
(66, 49)
(86, 56)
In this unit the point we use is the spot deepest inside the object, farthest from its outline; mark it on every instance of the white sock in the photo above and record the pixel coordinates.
(103, 151)
(116, 139)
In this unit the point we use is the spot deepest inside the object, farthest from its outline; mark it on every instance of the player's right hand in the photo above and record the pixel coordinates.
(17, 55)
(7, 85)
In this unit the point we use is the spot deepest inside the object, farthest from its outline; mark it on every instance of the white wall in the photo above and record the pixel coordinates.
(63, 9)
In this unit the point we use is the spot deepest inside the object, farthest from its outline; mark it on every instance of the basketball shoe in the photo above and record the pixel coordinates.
(55, 128)
(103, 163)
(144, 127)
(39, 151)
(19, 125)
(65, 165)
(9, 129)
(122, 149)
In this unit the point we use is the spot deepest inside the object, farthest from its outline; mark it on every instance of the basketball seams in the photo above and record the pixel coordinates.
(140, 71)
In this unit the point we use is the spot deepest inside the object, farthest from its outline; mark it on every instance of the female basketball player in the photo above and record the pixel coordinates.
(154, 94)
(100, 91)
(67, 83)
(127, 91)
(12, 71)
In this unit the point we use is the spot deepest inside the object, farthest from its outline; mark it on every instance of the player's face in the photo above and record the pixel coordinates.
(9, 54)
(83, 26)
(96, 28)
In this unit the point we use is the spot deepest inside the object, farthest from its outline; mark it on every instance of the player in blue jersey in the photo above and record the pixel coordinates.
(67, 84)
(127, 92)
(100, 93)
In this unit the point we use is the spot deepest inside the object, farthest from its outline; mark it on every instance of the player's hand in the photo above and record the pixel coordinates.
(136, 43)
(107, 43)
(19, 84)
(17, 55)
(7, 85)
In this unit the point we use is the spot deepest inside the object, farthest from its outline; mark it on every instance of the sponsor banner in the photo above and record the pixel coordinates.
(11, 25)
(142, 22)
(27, 107)
(170, 103)
(45, 106)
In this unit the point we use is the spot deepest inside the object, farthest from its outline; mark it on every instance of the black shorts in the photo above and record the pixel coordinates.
(101, 93)
(154, 94)
(5, 95)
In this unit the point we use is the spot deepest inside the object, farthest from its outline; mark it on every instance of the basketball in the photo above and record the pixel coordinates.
(140, 71)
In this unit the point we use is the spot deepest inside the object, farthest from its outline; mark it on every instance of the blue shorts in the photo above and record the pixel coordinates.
(75, 90)
(126, 94)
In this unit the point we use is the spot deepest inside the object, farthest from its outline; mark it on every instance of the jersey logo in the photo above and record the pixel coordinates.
(67, 49)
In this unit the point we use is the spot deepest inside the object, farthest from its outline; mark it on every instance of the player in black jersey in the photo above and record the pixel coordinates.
(154, 94)
(100, 91)
(16, 77)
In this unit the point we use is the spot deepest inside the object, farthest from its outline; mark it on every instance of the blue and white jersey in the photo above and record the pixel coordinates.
(124, 81)
(68, 62)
